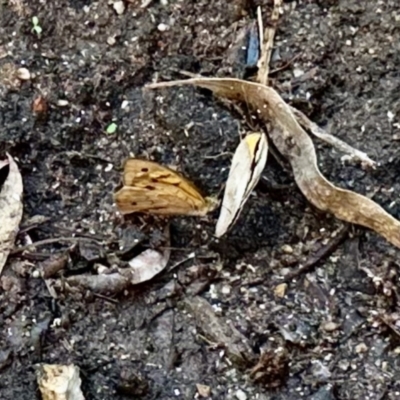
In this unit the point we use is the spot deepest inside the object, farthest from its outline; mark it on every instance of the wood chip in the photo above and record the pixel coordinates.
(59, 382)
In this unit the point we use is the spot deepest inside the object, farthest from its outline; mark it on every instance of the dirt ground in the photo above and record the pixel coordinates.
(216, 319)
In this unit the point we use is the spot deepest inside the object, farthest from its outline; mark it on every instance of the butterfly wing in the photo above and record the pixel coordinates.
(138, 171)
(158, 198)
(247, 165)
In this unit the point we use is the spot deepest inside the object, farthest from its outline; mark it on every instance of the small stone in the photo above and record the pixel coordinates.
(240, 395)
(62, 103)
(162, 27)
(287, 249)
(361, 348)
(330, 326)
(298, 72)
(125, 104)
(36, 274)
(344, 365)
(203, 390)
(119, 7)
(280, 290)
(225, 290)
(111, 41)
(23, 74)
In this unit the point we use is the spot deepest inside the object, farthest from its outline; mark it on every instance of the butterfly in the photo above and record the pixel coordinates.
(247, 165)
(151, 188)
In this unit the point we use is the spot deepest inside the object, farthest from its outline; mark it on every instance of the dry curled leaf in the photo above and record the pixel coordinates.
(10, 209)
(247, 166)
(147, 265)
(293, 142)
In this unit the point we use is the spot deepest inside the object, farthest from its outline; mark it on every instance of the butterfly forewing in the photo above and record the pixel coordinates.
(142, 170)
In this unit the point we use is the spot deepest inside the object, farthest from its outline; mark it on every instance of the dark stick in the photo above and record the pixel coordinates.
(320, 254)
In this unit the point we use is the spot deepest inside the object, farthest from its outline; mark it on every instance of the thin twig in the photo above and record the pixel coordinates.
(286, 65)
(106, 298)
(44, 242)
(332, 140)
(320, 254)
(267, 44)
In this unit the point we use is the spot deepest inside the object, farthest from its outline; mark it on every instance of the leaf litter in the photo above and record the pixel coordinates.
(141, 268)
(11, 208)
(293, 142)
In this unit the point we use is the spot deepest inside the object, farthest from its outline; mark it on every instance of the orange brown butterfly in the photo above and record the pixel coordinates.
(151, 188)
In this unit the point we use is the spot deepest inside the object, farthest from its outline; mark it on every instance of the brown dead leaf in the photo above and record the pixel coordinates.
(219, 331)
(10, 209)
(293, 142)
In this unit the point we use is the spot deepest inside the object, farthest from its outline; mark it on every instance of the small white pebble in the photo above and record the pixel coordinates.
(124, 104)
(280, 290)
(111, 41)
(23, 74)
(361, 348)
(297, 72)
(344, 365)
(330, 326)
(240, 395)
(56, 322)
(62, 103)
(119, 7)
(287, 249)
(36, 274)
(162, 27)
(390, 116)
(226, 289)
(348, 42)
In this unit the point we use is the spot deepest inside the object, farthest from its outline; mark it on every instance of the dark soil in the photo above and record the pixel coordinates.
(336, 332)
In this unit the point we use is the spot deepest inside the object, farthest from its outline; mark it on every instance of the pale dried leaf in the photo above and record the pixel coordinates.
(294, 143)
(10, 209)
(59, 382)
(248, 163)
(147, 265)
